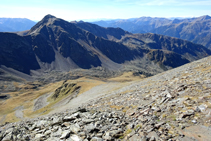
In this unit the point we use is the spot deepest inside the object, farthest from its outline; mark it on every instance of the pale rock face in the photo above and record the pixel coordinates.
(75, 138)
(202, 107)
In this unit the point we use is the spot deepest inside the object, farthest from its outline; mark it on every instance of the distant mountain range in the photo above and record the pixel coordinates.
(135, 25)
(15, 24)
(54, 44)
(197, 30)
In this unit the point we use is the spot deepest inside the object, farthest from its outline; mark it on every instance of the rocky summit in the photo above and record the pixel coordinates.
(174, 105)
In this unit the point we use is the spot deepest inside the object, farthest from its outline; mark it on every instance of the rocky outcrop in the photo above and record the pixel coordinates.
(65, 89)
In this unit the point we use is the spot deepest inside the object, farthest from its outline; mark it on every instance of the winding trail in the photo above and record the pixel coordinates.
(19, 112)
(41, 101)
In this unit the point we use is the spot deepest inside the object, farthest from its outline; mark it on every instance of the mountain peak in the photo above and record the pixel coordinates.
(46, 20)
(176, 21)
(49, 16)
(205, 17)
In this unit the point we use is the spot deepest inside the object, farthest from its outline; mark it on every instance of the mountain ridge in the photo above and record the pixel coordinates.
(55, 44)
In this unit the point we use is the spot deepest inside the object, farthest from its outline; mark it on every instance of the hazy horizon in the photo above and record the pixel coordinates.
(104, 19)
(99, 9)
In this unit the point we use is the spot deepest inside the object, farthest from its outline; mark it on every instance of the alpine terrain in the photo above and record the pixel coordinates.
(79, 81)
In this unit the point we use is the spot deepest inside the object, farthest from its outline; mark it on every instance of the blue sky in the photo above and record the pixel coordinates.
(109, 9)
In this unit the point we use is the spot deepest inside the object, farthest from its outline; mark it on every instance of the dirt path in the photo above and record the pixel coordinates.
(2, 119)
(19, 112)
(198, 132)
(41, 101)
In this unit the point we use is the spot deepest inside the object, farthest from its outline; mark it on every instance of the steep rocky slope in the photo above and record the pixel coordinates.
(173, 105)
(16, 53)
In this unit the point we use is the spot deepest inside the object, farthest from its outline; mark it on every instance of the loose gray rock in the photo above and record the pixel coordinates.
(74, 138)
(96, 139)
(65, 134)
(75, 128)
(90, 128)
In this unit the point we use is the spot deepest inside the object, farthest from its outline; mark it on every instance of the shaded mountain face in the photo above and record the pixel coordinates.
(82, 47)
(53, 35)
(55, 44)
(107, 33)
(185, 48)
(166, 58)
(16, 53)
(15, 24)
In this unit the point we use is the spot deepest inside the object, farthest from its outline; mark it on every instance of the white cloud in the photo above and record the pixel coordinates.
(164, 2)
(174, 2)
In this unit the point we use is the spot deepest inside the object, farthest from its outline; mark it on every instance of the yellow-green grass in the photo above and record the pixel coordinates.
(25, 99)
(126, 77)
(27, 95)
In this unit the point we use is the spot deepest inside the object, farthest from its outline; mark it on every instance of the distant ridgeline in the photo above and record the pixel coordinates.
(15, 24)
(197, 30)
